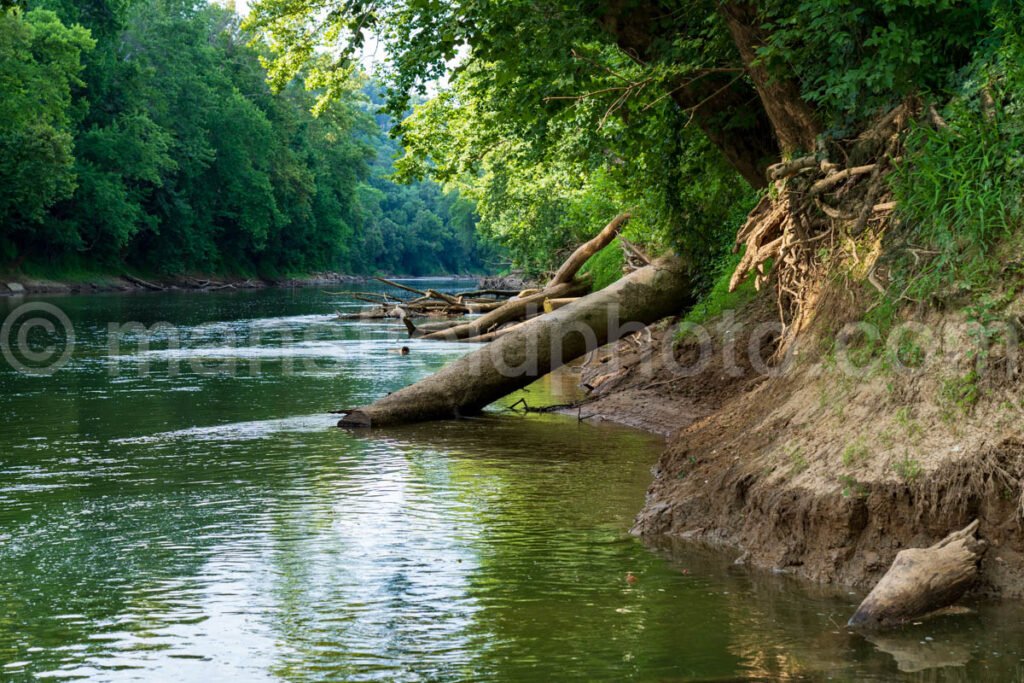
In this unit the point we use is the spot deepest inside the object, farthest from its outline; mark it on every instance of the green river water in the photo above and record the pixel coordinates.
(188, 512)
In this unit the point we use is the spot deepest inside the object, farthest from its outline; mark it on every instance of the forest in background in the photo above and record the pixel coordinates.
(142, 134)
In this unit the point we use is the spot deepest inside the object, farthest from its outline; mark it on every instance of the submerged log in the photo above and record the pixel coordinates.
(534, 349)
(923, 580)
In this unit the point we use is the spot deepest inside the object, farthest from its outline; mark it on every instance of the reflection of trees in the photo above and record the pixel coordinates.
(490, 548)
(552, 501)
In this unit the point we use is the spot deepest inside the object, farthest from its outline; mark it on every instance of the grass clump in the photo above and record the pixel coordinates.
(908, 468)
(961, 393)
(852, 488)
(798, 462)
(719, 299)
(856, 451)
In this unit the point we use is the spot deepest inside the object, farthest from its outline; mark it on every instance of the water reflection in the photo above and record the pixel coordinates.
(196, 526)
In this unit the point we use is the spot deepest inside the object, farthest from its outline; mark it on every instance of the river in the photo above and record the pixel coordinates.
(176, 504)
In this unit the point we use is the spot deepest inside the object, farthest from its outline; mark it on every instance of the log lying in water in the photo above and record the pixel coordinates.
(512, 310)
(535, 348)
(429, 303)
(923, 580)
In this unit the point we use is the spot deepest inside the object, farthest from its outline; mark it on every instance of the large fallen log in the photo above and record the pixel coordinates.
(534, 349)
(923, 580)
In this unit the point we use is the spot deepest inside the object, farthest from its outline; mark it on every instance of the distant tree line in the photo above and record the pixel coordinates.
(143, 134)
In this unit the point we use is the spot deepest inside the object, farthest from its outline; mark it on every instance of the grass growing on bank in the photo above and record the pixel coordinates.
(959, 188)
(719, 299)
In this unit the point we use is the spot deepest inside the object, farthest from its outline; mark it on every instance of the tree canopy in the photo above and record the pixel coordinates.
(144, 133)
(557, 112)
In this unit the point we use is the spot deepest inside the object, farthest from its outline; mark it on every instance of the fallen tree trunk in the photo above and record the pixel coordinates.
(416, 331)
(399, 285)
(503, 293)
(511, 310)
(516, 359)
(142, 283)
(554, 304)
(572, 264)
(923, 580)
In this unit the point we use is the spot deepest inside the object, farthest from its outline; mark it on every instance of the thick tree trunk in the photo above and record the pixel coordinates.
(923, 580)
(534, 349)
(725, 107)
(793, 121)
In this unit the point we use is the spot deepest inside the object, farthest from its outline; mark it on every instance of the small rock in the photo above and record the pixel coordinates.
(16, 287)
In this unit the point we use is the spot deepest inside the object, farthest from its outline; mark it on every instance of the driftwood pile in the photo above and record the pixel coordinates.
(427, 303)
(499, 317)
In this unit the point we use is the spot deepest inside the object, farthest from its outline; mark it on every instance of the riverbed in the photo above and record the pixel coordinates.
(176, 504)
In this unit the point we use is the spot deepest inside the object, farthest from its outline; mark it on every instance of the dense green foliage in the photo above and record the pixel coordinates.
(555, 118)
(560, 116)
(41, 61)
(960, 189)
(853, 57)
(545, 173)
(144, 134)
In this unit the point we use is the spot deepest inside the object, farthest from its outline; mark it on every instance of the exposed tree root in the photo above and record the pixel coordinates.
(813, 206)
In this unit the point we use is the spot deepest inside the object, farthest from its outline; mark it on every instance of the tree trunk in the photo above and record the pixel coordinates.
(725, 107)
(923, 580)
(511, 310)
(572, 265)
(793, 121)
(534, 349)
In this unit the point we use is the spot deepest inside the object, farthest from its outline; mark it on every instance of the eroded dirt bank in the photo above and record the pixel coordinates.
(823, 468)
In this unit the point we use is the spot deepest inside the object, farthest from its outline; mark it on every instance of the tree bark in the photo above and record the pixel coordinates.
(922, 580)
(724, 107)
(511, 310)
(793, 121)
(534, 349)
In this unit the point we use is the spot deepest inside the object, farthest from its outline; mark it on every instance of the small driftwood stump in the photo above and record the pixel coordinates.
(923, 580)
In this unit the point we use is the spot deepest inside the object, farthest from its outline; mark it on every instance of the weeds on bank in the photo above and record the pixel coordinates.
(719, 299)
(798, 462)
(852, 488)
(908, 468)
(959, 395)
(855, 452)
(691, 464)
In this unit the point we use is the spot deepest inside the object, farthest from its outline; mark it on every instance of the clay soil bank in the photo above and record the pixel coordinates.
(815, 470)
